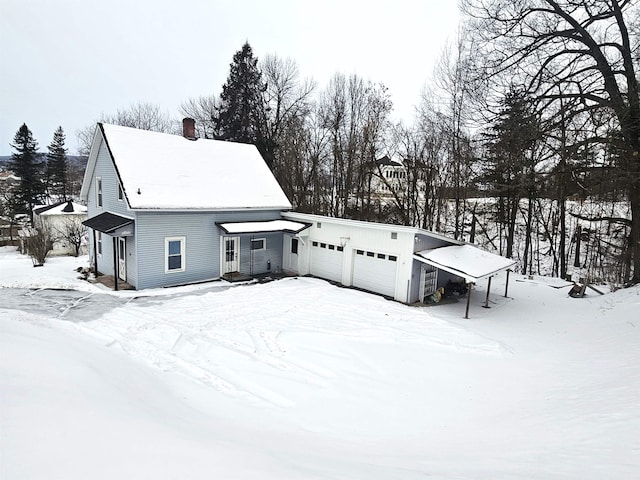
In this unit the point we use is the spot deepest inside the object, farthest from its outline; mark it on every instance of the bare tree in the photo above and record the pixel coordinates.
(73, 232)
(145, 116)
(203, 110)
(582, 52)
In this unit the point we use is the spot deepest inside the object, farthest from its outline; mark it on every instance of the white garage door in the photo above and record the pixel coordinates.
(326, 261)
(375, 272)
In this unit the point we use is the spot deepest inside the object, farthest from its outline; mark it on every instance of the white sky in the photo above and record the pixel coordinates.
(66, 62)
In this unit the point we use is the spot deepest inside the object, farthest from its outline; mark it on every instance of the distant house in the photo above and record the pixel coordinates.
(168, 210)
(64, 221)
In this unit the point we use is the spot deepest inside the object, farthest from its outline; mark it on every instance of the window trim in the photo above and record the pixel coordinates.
(183, 254)
(261, 239)
(99, 192)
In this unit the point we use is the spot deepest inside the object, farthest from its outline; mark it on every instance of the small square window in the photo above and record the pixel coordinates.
(319, 225)
(394, 235)
(323, 245)
(381, 255)
(315, 244)
(360, 252)
(332, 247)
(340, 249)
(258, 244)
(370, 254)
(393, 258)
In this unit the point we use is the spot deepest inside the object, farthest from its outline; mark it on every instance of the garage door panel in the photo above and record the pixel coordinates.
(375, 272)
(326, 262)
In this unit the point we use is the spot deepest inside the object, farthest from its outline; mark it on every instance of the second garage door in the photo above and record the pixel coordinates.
(375, 272)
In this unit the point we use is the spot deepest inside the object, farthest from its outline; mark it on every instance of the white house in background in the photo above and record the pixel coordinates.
(64, 220)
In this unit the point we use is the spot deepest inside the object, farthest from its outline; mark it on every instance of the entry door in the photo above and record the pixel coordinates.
(231, 254)
(122, 258)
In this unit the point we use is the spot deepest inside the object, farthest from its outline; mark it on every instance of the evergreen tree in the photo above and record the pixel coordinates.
(26, 165)
(240, 117)
(510, 163)
(57, 166)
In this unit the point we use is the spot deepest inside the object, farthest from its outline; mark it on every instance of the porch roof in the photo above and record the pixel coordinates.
(465, 261)
(107, 222)
(263, 227)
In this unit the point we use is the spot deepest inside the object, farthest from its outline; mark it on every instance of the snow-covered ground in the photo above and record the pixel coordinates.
(299, 379)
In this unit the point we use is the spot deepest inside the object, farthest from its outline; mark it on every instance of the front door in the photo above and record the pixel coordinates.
(231, 254)
(122, 258)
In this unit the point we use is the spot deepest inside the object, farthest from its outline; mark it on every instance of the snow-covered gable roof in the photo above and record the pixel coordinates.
(164, 171)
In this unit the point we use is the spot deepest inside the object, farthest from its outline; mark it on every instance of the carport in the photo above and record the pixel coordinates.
(468, 262)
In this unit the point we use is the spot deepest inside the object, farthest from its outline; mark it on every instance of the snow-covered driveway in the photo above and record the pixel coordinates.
(300, 379)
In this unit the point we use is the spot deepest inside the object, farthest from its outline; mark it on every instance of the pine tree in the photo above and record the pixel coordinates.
(26, 165)
(240, 118)
(57, 165)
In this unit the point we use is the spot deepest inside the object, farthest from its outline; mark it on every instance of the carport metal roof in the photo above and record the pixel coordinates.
(465, 261)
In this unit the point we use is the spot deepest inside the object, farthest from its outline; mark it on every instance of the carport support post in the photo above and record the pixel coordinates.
(486, 300)
(506, 287)
(469, 287)
(115, 265)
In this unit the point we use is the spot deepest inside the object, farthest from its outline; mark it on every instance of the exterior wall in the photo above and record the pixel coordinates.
(202, 245)
(57, 224)
(105, 169)
(359, 236)
(255, 262)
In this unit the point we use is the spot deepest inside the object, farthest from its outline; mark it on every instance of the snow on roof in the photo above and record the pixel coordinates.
(466, 261)
(261, 227)
(164, 171)
(62, 208)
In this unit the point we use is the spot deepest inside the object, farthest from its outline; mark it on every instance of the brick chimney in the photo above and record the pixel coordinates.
(189, 128)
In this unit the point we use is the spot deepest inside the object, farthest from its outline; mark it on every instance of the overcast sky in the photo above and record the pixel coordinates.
(66, 62)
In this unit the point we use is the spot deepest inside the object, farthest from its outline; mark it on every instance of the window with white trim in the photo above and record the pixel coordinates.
(120, 193)
(174, 248)
(99, 191)
(258, 244)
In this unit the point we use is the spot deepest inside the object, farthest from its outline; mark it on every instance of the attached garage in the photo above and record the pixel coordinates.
(375, 272)
(326, 261)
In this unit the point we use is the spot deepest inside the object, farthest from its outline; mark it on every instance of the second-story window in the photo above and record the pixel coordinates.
(99, 191)
(120, 193)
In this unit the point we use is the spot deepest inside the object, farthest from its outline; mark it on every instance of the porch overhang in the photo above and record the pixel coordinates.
(111, 224)
(270, 226)
(465, 261)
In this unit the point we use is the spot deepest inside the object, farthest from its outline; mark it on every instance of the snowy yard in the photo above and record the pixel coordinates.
(299, 379)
